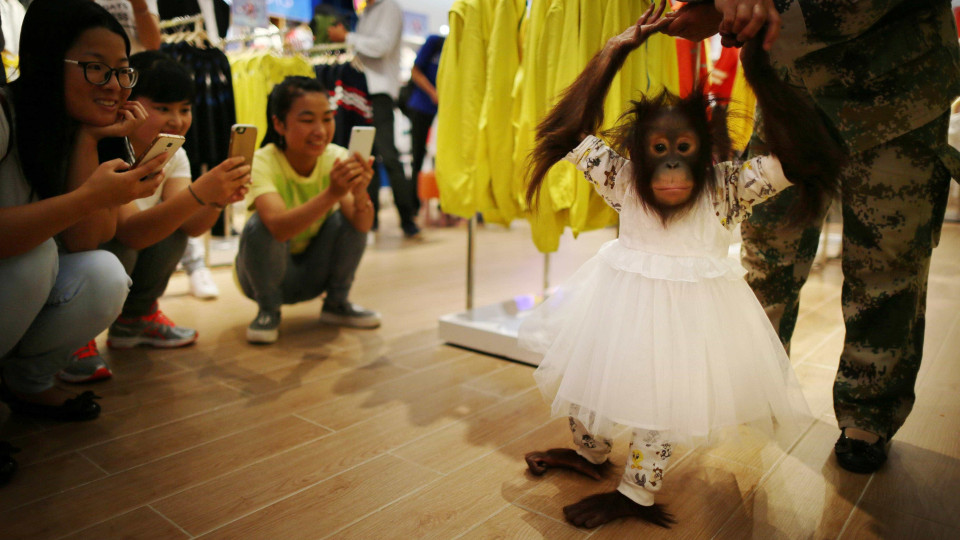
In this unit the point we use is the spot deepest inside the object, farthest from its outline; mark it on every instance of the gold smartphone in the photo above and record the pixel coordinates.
(243, 142)
(164, 142)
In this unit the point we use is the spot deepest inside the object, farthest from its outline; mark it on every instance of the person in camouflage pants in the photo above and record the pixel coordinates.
(883, 73)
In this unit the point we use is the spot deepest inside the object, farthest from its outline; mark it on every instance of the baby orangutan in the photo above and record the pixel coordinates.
(673, 147)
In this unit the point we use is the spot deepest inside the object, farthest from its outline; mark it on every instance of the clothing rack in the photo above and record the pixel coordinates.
(330, 47)
(340, 52)
(246, 37)
(181, 21)
(491, 329)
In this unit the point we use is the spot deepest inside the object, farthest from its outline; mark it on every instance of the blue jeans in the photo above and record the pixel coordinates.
(271, 276)
(52, 304)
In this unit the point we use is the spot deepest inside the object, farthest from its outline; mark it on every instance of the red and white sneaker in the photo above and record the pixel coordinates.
(86, 365)
(155, 330)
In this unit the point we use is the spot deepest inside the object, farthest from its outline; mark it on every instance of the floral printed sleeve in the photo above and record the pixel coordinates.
(605, 169)
(741, 185)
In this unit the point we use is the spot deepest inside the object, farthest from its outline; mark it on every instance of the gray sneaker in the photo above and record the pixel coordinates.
(265, 328)
(154, 330)
(349, 315)
(86, 365)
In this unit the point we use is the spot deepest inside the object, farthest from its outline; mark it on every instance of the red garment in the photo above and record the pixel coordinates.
(724, 71)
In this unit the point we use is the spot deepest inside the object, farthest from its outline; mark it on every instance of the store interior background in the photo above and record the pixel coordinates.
(335, 433)
(422, 18)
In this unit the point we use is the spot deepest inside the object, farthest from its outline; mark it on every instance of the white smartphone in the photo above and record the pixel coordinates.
(164, 142)
(243, 142)
(361, 140)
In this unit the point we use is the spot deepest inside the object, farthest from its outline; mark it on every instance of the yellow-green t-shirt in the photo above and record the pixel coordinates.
(272, 173)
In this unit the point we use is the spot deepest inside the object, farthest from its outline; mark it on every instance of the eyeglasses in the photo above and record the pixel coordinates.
(99, 73)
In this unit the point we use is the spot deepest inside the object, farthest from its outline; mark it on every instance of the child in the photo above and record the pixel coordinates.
(310, 214)
(152, 232)
(658, 332)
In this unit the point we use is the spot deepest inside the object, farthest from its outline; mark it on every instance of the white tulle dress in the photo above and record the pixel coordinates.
(659, 330)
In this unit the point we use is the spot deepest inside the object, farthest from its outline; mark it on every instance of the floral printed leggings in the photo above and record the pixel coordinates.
(643, 473)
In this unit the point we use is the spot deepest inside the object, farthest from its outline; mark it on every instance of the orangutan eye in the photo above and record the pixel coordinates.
(660, 147)
(683, 147)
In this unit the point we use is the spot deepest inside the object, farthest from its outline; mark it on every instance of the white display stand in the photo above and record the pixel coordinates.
(491, 329)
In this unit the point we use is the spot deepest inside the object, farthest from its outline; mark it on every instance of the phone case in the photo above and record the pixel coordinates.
(164, 142)
(243, 142)
(361, 141)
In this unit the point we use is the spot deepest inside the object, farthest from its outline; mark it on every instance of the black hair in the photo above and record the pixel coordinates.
(281, 99)
(44, 131)
(162, 78)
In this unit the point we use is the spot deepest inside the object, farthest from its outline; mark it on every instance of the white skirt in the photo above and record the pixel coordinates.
(688, 356)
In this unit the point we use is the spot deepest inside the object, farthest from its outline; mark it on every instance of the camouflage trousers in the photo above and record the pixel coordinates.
(893, 199)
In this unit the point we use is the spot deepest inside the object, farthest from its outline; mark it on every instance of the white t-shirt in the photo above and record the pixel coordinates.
(123, 11)
(177, 167)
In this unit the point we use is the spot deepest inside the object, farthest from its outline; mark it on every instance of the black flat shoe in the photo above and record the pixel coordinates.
(860, 456)
(8, 465)
(75, 409)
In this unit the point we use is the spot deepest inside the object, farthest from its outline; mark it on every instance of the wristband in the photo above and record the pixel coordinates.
(199, 200)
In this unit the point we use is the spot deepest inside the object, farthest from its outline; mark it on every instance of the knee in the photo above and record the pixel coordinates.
(107, 284)
(346, 230)
(257, 239)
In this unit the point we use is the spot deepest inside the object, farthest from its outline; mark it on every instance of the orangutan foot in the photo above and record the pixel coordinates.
(596, 510)
(564, 458)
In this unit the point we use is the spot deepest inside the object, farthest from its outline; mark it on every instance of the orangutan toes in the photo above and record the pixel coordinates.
(596, 510)
(563, 458)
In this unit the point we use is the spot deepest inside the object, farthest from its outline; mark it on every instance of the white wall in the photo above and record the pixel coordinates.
(436, 11)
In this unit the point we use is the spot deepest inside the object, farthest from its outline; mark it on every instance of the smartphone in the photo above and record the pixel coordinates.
(243, 142)
(164, 142)
(361, 141)
(110, 148)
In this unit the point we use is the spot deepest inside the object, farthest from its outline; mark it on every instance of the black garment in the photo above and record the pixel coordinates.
(208, 140)
(387, 154)
(349, 87)
(420, 123)
(169, 9)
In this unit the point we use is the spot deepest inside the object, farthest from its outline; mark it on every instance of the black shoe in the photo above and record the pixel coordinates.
(860, 456)
(410, 230)
(350, 315)
(78, 408)
(8, 465)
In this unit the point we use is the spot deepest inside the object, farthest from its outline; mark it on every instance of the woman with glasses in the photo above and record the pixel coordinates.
(57, 203)
(152, 232)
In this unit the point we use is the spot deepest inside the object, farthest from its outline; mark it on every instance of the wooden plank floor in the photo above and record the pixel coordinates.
(392, 434)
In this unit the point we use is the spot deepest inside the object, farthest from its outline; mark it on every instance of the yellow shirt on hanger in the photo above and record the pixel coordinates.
(460, 75)
(540, 60)
(496, 121)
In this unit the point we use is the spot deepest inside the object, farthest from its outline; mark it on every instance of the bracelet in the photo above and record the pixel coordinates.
(199, 200)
